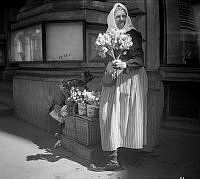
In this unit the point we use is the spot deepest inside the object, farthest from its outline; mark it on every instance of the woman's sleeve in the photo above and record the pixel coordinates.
(135, 54)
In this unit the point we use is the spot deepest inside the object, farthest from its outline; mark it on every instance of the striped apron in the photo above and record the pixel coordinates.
(123, 111)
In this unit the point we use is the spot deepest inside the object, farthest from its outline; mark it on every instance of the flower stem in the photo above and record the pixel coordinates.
(113, 54)
(115, 70)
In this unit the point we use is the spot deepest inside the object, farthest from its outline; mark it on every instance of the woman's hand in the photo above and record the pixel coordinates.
(118, 64)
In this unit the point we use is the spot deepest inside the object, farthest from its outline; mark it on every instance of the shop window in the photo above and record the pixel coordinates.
(64, 41)
(26, 44)
(56, 41)
(48, 42)
(91, 36)
(182, 31)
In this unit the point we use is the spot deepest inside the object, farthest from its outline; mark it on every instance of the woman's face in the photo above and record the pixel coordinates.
(120, 18)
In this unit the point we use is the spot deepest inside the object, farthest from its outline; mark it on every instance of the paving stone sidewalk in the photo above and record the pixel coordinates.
(27, 152)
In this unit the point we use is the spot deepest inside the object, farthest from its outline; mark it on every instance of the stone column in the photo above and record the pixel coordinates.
(156, 91)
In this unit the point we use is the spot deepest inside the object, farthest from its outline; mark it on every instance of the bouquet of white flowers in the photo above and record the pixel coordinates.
(113, 43)
(92, 97)
(76, 95)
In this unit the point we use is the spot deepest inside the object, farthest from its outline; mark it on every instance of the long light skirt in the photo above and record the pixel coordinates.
(123, 111)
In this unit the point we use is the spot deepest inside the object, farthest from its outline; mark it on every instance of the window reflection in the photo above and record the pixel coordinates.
(64, 41)
(182, 32)
(26, 44)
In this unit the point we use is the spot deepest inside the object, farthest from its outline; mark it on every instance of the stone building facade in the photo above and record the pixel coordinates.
(38, 41)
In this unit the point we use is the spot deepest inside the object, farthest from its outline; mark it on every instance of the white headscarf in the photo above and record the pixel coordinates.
(111, 20)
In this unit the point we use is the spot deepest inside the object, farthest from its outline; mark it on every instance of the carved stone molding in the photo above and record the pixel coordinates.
(33, 8)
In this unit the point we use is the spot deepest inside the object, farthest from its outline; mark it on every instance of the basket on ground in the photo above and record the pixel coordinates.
(92, 111)
(82, 129)
(72, 107)
(82, 109)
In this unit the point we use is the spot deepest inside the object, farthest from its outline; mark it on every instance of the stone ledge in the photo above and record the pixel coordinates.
(180, 73)
(181, 126)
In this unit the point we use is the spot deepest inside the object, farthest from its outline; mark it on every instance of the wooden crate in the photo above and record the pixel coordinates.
(82, 129)
(72, 107)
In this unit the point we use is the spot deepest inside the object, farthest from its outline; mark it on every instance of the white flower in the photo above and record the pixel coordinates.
(105, 49)
(112, 41)
(107, 39)
(79, 93)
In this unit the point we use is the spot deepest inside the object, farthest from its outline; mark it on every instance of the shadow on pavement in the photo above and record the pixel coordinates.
(135, 158)
(44, 141)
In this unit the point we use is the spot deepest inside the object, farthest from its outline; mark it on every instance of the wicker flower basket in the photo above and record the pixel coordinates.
(72, 107)
(92, 111)
(82, 129)
(82, 109)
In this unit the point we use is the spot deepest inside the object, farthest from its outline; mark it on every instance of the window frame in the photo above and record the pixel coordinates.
(43, 25)
(164, 40)
(83, 23)
(14, 29)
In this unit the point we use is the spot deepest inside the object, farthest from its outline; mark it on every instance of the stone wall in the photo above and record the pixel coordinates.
(33, 97)
(155, 103)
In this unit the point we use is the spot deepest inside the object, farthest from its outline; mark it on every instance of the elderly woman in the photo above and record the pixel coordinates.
(123, 106)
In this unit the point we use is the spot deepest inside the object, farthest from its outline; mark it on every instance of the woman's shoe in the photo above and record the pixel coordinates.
(110, 166)
(95, 168)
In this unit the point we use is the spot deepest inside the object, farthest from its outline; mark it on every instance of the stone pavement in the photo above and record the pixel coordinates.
(27, 152)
